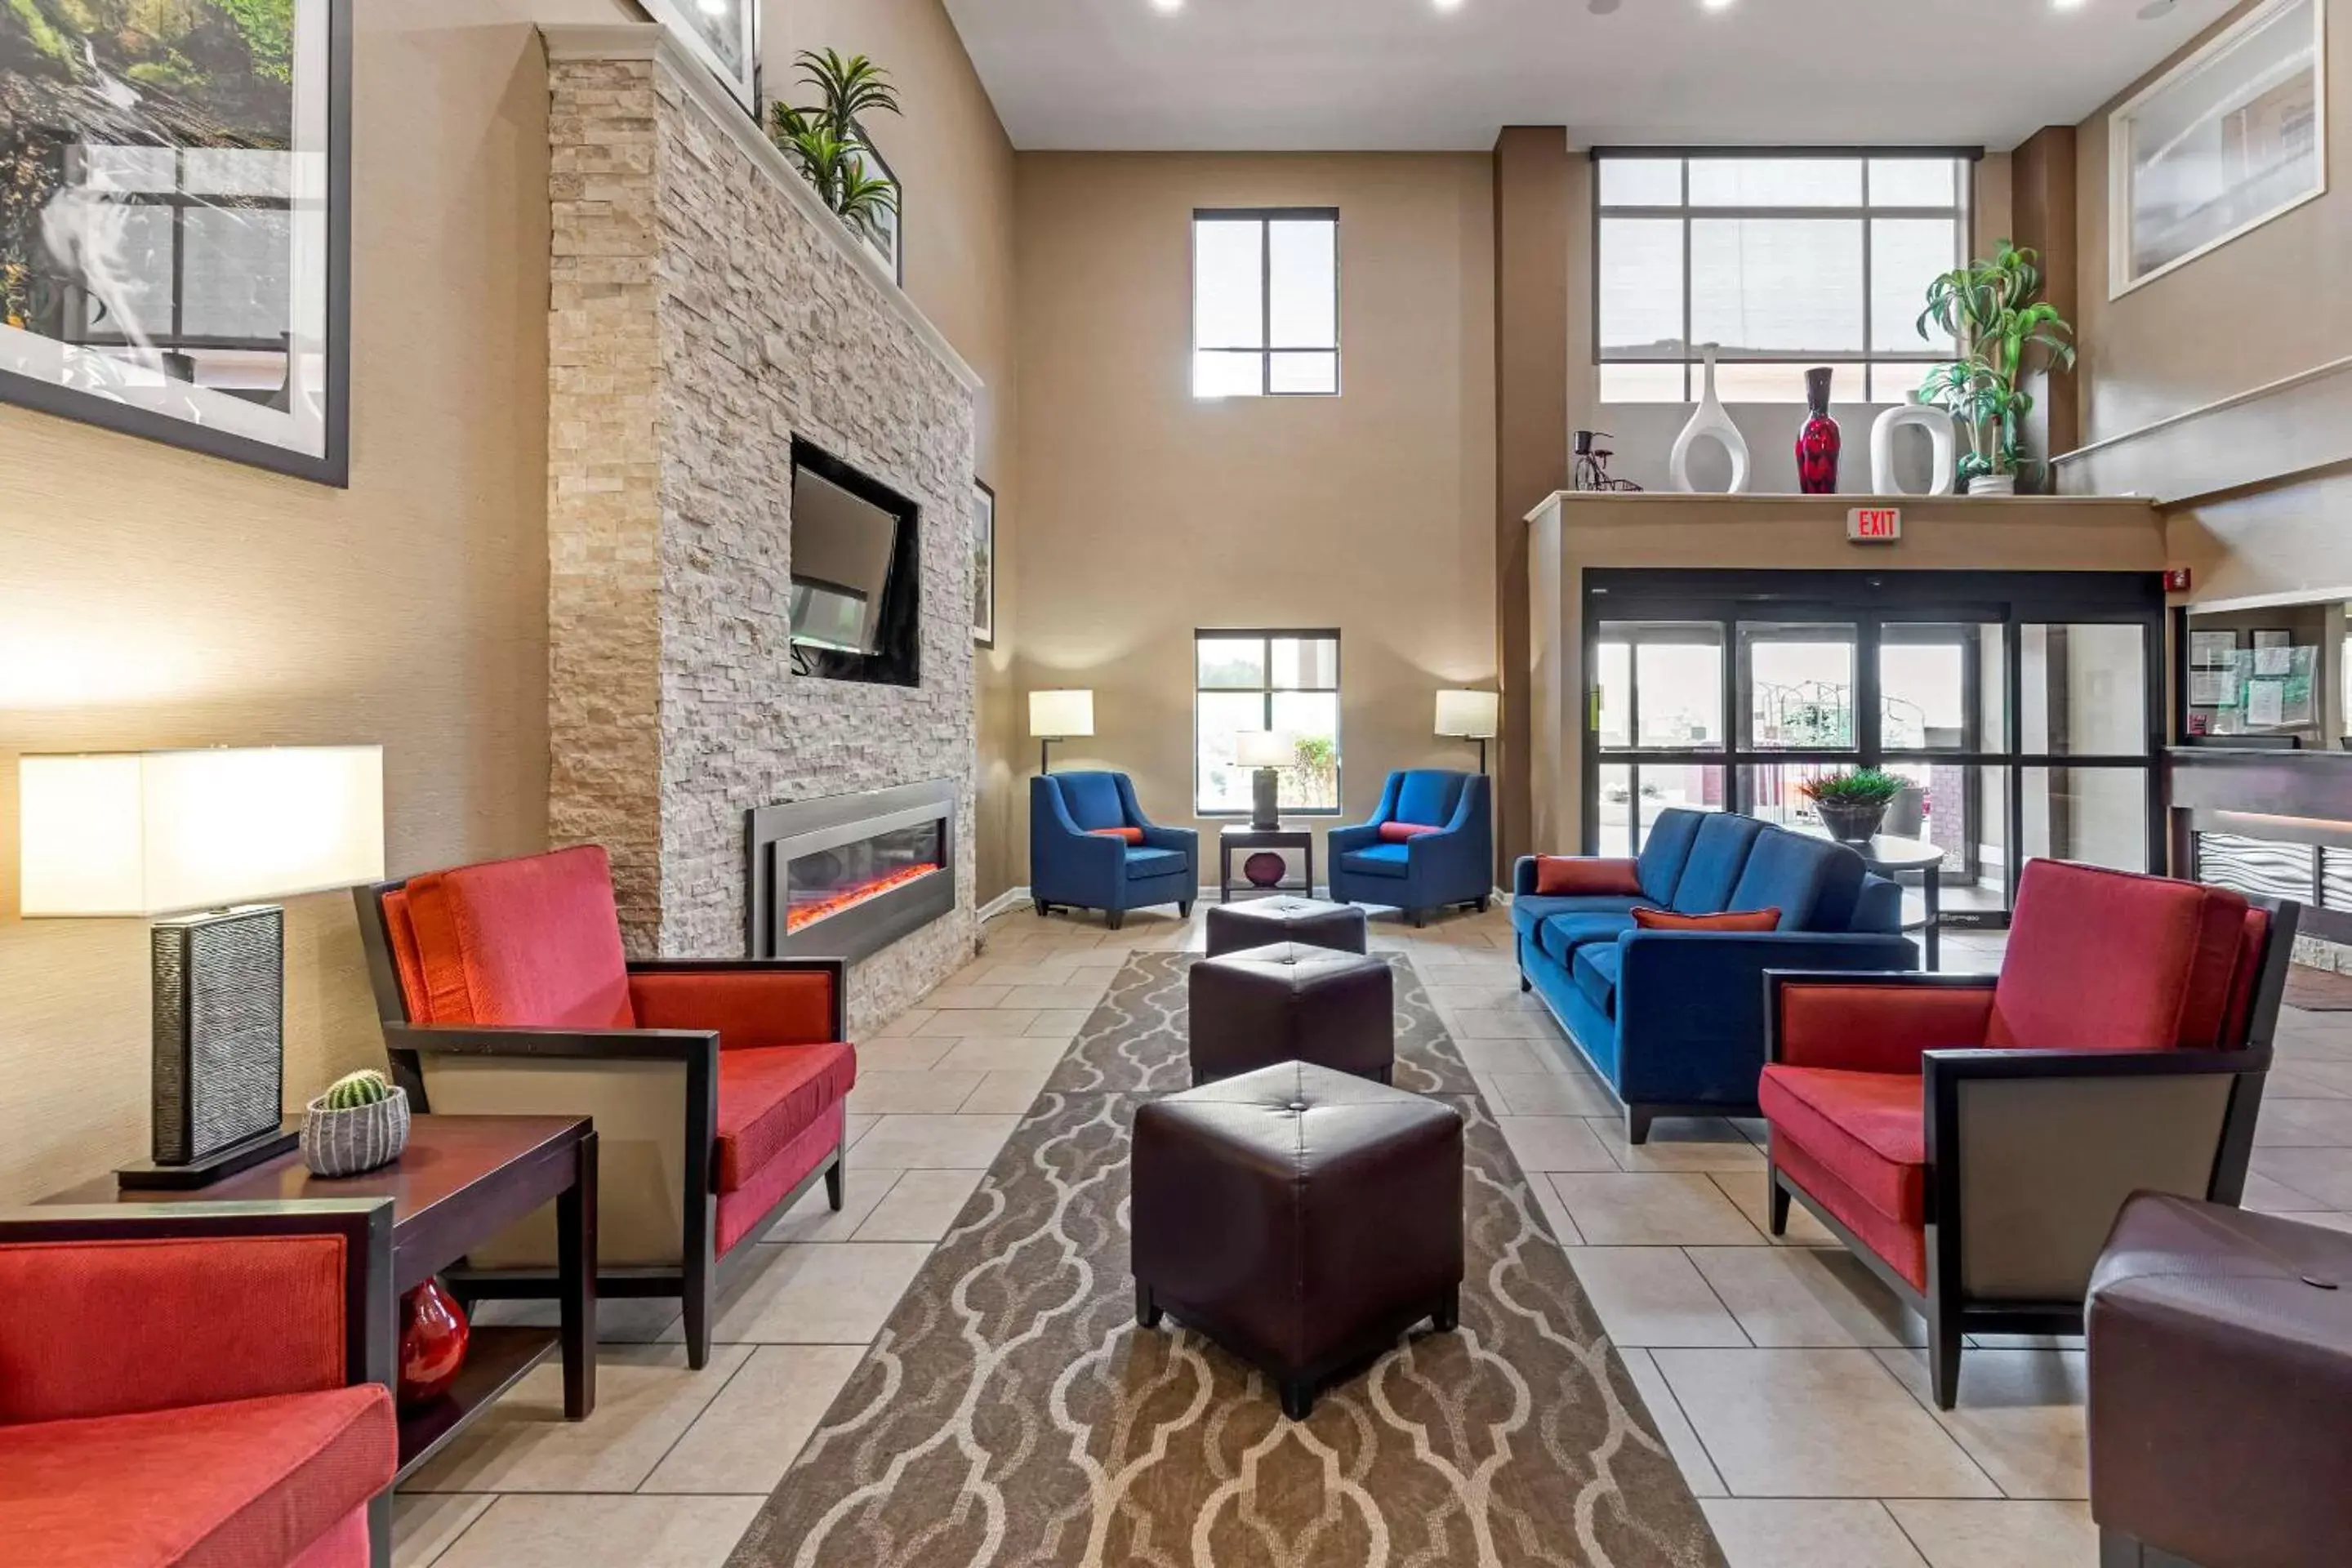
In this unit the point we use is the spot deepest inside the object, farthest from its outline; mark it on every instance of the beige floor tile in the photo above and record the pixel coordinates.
(998, 1023)
(1554, 1143)
(1552, 1094)
(1006, 1092)
(940, 1091)
(2287, 1083)
(914, 1055)
(1681, 1143)
(952, 997)
(987, 1056)
(605, 1533)
(922, 1206)
(854, 1126)
(1818, 1424)
(1555, 1213)
(936, 1142)
(1747, 1189)
(903, 1025)
(1500, 1057)
(813, 1219)
(1690, 1455)
(1652, 1297)
(425, 1523)
(818, 1293)
(2266, 1196)
(645, 1399)
(2301, 1123)
(2000, 1534)
(1498, 1023)
(1506, 993)
(1808, 1532)
(2020, 1417)
(2322, 1173)
(1073, 996)
(1665, 1209)
(1800, 1298)
(1057, 1023)
(750, 1434)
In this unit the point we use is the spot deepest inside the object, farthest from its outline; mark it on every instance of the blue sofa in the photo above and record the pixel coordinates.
(1070, 865)
(1454, 864)
(1675, 1020)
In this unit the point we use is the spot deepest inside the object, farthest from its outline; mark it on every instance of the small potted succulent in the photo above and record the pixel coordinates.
(360, 1123)
(1853, 800)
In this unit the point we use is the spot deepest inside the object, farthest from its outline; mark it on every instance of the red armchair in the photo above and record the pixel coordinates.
(1972, 1137)
(717, 1086)
(197, 1386)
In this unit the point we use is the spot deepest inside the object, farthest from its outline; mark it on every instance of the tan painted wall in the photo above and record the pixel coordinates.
(1150, 514)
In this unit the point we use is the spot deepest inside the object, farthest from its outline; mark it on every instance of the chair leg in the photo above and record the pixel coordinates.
(1185, 910)
(1526, 984)
(1775, 1202)
(697, 1328)
(1117, 918)
(1484, 902)
(1420, 919)
(1944, 1341)
(836, 1182)
(1637, 1123)
(1044, 908)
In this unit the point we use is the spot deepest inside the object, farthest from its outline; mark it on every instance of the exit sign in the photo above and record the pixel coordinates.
(1875, 525)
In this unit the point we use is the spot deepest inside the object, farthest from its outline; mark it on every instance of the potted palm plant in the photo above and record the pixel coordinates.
(1989, 308)
(827, 139)
(1853, 800)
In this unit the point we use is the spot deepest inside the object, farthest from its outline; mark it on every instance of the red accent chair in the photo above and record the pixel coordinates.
(1972, 1137)
(719, 1087)
(196, 1388)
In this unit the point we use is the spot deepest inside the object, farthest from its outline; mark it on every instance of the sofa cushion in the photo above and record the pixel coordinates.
(747, 1006)
(255, 1481)
(1529, 911)
(1406, 832)
(1380, 860)
(533, 942)
(2103, 959)
(1668, 850)
(768, 1094)
(1145, 864)
(1092, 799)
(1428, 794)
(1718, 853)
(1902, 1243)
(746, 1213)
(1561, 875)
(1798, 876)
(1595, 969)
(1869, 1128)
(1561, 935)
(1877, 907)
(1750, 921)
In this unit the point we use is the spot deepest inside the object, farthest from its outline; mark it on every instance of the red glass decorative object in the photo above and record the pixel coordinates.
(433, 1335)
(1265, 869)
(1819, 443)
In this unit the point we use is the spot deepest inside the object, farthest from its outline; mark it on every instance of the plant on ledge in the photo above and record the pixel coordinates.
(1990, 310)
(827, 141)
(1853, 800)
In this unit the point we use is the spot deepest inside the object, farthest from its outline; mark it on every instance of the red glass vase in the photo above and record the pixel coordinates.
(1819, 443)
(433, 1334)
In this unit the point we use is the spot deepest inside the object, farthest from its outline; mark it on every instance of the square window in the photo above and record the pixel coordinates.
(1251, 682)
(1265, 303)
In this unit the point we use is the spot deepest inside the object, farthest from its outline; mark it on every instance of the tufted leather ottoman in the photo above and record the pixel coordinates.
(1302, 1219)
(1260, 922)
(2220, 1414)
(1292, 1003)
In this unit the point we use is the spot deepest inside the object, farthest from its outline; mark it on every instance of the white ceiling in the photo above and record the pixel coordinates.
(1335, 75)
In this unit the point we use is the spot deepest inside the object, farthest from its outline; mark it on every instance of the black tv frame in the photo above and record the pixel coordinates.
(898, 635)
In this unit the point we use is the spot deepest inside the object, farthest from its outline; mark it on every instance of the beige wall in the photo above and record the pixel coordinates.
(1150, 514)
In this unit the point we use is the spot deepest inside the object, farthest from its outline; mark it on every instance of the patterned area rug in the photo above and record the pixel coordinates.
(1013, 1413)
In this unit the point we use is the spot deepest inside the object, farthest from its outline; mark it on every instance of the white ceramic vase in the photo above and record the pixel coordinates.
(1994, 485)
(1927, 417)
(1710, 420)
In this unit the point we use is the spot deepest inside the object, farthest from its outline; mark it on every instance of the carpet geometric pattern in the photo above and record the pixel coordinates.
(1013, 1413)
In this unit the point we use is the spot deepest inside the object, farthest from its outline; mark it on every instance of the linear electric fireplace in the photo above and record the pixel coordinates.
(848, 875)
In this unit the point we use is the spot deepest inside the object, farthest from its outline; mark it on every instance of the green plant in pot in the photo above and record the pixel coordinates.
(1853, 801)
(827, 139)
(2005, 333)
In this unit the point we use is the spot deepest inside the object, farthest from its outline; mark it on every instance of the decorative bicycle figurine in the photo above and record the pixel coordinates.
(1592, 464)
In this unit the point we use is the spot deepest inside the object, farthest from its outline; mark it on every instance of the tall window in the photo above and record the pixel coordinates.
(1286, 682)
(1265, 302)
(1780, 262)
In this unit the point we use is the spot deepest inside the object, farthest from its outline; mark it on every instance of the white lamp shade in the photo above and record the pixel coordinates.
(1061, 715)
(1471, 715)
(1265, 749)
(165, 832)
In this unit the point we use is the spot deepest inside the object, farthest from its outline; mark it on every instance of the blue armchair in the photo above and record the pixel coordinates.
(1429, 871)
(1079, 859)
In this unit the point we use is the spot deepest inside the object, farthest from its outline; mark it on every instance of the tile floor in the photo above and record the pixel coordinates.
(1787, 1381)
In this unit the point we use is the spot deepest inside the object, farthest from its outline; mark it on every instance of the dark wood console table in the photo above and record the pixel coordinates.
(1242, 836)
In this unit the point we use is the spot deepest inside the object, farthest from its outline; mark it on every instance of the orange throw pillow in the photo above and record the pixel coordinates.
(1404, 832)
(1132, 835)
(1560, 877)
(1736, 920)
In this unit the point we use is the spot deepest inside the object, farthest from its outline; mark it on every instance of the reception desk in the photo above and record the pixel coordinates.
(2271, 822)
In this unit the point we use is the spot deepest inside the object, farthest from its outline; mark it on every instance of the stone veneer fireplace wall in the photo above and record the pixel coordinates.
(706, 309)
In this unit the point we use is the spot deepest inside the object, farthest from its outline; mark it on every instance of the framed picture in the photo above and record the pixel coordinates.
(983, 565)
(2218, 146)
(886, 238)
(2213, 650)
(175, 223)
(724, 35)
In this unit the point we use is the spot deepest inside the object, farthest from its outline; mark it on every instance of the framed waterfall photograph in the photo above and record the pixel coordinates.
(983, 565)
(175, 222)
(724, 35)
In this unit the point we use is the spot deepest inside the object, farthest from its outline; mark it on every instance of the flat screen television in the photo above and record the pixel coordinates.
(856, 574)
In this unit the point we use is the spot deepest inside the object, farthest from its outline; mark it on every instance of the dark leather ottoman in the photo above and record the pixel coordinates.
(1260, 922)
(2221, 1417)
(1292, 1003)
(1302, 1219)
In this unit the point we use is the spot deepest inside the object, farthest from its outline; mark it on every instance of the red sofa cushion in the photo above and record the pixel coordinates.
(535, 941)
(1647, 918)
(1569, 877)
(1902, 1243)
(2238, 1017)
(1867, 1129)
(748, 1008)
(248, 1484)
(741, 1212)
(1405, 832)
(2108, 960)
(768, 1096)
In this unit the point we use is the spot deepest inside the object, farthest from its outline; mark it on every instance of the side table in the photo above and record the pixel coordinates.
(1242, 836)
(1887, 856)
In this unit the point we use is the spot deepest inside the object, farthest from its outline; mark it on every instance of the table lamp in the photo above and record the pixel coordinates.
(1269, 752)
(1059, 716)
(162, 834)
(1470, 715)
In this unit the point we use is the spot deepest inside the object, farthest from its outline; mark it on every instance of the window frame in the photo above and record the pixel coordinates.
(1268, 637)
(1264, 217)
(1962, 214)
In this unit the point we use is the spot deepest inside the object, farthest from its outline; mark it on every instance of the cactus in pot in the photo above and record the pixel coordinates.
(358, 1123)
(353, 1090)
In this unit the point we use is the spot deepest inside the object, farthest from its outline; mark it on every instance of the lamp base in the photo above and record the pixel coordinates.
(148, 1176)
(219, 1058)
(1265, 808)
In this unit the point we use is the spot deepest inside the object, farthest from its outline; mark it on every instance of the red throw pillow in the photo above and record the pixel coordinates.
(1736, 920)
(1404, 832)
(1132, 835)
(1560, 876)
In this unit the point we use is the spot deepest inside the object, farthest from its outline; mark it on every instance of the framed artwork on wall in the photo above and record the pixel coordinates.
(2226, 141)
(175, 222)
(724, 35)
(983, 565)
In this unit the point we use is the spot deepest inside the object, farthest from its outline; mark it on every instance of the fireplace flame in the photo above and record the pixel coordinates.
(800, 917)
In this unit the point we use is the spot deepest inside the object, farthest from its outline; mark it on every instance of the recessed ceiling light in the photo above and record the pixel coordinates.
(1449, 4)
(2066, 4)
(1168, 4)
(1716, 5)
